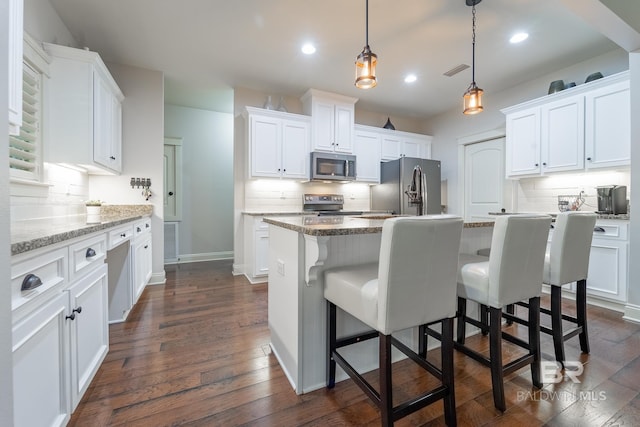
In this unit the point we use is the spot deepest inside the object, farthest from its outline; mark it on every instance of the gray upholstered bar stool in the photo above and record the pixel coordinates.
(512, 273)
(567, 261)
(413, 284)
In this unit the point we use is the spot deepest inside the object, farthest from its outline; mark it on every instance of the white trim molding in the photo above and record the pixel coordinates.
(632, 313)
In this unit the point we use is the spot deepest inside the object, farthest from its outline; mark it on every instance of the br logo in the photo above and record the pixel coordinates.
(551, 372)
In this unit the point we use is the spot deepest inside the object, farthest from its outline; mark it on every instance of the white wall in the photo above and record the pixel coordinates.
(6, 360)
(633, 310)
(448, 127)
(42, 22)
(206, 231)
(142, 151)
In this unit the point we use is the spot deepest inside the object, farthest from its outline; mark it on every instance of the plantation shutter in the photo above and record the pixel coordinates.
(25, 160)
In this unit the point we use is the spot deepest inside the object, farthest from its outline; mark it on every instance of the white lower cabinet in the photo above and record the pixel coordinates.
(256, 251)
(89, 329)
(141, 265)
(609, 262)
(41, 368)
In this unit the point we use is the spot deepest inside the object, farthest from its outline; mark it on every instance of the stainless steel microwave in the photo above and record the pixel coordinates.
(332, 166)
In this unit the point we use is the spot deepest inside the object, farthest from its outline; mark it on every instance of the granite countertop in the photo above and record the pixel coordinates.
(37, 233)
(623, 217)
(342, 225)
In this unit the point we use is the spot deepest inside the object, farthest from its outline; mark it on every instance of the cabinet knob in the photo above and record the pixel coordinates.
(537, 165)
(171, 193)
(544, 164)
(77, 310)
(72, 316)
(284, 170)
(589, 158)
(138, 229)
(112, 158)
(146, 246)
(123, 235)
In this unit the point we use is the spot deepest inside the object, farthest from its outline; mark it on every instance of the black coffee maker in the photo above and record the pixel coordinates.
(612, 199)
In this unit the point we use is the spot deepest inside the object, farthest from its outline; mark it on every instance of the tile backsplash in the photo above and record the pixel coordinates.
(541, 194)
(67, 190)
(275, 195)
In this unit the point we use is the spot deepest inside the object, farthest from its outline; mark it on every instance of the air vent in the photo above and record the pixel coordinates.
(456, 70)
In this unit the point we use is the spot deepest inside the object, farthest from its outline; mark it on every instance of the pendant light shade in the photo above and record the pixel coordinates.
(473, 95)
(366, 62)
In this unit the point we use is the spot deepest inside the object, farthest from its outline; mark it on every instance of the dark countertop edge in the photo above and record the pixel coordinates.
(297, 213)
(325, 231)
(41, 242)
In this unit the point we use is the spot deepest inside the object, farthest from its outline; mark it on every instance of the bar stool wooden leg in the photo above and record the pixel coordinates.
(495, 354)
(534, 340)
(581, 314)
(422, 340)
(511, 309)
(331, 344)
(462, 315)
(447, 372)
(556, 322)
(386, 388)
(484, 319)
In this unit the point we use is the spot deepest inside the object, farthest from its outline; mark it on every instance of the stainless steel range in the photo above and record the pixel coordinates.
(326, 204)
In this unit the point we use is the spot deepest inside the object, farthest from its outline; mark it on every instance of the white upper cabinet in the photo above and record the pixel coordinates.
(15, 65)
(396, 144)
(607, 135)
(583, 127)
(562, 135)
(278, 143)
(85, 114)
(332, 120)
(366, 147)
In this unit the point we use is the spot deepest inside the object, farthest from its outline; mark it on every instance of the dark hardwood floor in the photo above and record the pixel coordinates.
(195, 352)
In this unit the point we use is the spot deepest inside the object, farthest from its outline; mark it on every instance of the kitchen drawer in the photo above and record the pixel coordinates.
(259, 224)
(142, 227)
(49, 270)
(611, 231)
(119, 235)
(87, 255)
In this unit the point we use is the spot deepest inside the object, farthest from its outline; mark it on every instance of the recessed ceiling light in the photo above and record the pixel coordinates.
(410, 78)
(518, 37)
(308, 49)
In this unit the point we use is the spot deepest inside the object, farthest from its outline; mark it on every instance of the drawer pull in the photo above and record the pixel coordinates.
(146, 226)
(599, 230)
(30, 281)
(146, 246)
(123, 235)
(138, 229)
(90, 253)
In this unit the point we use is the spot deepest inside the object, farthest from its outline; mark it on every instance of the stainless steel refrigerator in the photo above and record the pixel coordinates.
(408, 186)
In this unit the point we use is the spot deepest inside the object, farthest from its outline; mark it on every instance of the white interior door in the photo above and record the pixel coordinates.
(483, 179)
(172, 179)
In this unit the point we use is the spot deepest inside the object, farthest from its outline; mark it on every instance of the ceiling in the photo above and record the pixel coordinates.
(206, 47)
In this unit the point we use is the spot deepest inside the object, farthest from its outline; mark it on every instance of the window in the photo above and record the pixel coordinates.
(25, 149)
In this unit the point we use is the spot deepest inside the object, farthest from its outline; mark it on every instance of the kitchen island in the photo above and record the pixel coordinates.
(301, 248)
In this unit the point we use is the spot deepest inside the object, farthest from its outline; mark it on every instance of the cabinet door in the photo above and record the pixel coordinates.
(41, 366)
(367, 150)
(88, 299)
(261, 254)
(323, 126)
(608, 264)
(411, 148)
(265, 143)
(116, 134)
(562, 135)
(608, 118)
(344, 119)
(295, 149)
(523, 143)
(390, 148)
(102, 122)
(142, 265)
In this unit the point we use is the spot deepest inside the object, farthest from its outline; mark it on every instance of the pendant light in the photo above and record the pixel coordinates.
(473, 95)
(366, 61)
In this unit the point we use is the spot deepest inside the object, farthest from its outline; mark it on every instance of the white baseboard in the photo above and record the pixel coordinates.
(237, 269)
(158, 278)
(210, 256)
(632, 313)
(255, 280)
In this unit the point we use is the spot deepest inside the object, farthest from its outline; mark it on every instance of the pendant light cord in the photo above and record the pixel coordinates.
(366, 23)
(473, 45)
